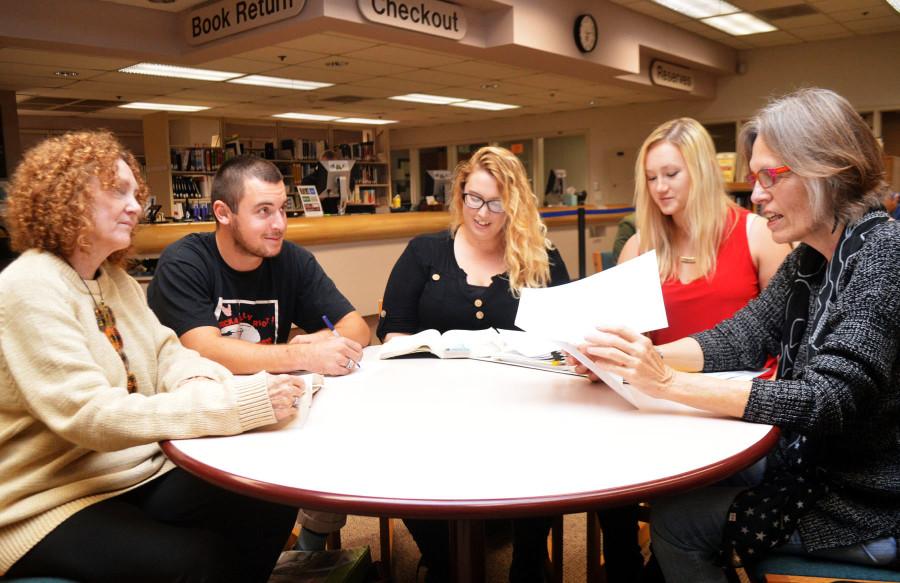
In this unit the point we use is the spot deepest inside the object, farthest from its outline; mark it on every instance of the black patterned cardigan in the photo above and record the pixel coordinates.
(847, 397)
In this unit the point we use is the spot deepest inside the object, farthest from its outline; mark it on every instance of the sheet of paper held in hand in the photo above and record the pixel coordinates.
(625, 295)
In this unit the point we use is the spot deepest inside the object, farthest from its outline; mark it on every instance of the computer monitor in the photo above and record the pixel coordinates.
(556, 182)
(439, 185)
(338, 182)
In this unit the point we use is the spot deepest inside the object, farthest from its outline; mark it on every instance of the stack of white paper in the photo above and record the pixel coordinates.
(626, 295)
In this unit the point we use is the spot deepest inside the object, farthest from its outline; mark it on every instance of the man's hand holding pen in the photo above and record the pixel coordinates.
(330, 354)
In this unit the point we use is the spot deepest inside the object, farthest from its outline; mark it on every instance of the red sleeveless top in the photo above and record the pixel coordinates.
(704, 302)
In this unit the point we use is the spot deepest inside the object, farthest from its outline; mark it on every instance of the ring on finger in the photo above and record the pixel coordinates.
(296, 403)
(349, 363)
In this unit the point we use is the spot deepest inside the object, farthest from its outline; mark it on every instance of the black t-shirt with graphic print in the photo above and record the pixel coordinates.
(193, 287)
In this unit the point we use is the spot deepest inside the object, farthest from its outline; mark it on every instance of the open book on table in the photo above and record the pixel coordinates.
(493, 345)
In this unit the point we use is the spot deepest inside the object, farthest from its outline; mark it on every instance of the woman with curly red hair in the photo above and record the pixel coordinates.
(90, 382)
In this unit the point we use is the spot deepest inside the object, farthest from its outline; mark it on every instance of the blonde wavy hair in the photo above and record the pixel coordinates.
(525, 235)
(52, 192)
(707, 206)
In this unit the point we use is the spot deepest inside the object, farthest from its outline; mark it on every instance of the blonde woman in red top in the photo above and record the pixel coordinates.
(713, 255)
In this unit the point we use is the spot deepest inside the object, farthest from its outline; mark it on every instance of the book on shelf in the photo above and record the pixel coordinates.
(196, 159)
(191, 186)
(491, 344)
(309, 149)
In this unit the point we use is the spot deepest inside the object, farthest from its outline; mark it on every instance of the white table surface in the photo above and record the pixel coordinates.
(463, 438)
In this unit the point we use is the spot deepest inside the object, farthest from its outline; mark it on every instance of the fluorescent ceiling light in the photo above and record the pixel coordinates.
(279, 82)
(699, 8)
(425, 98)
(895, 4)
(179, 72)
(489, 105)
(739, 24)
(163, 106)
(364, 120)
(308, 116)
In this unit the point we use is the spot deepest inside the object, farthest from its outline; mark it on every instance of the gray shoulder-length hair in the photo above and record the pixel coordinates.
(828, 145)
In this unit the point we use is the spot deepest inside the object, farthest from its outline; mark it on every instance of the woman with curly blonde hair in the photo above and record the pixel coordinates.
(469, 277)
(91, 382)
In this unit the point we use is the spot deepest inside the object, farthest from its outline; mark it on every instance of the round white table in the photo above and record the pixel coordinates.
(467, 440)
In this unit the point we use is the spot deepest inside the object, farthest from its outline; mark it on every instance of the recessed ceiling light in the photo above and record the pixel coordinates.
(335, 63)
(307, 116)
(158, 70)
(163, 106)
(66, 74)
(280, 82)
(739, 24)
(365, 120)
(425, 98)
(488, 105)
(699, 8)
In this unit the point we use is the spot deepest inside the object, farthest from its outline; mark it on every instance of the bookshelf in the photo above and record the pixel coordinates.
(181, 161)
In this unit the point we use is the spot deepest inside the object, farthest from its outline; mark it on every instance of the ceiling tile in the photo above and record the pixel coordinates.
(403, 55)
(97, 90)
(18, 69)
(400, 86)
(828, 6)
(358, 66)
(62, 60)
(800, 22)
(865, 13)
(825, 31)
(337, 75)
(328, 44)
(551, 81)
(485, 69)
(236, 65)
(657, 11)
(772, 39)
(206, 96)
(753, 5)
(503, 88)
(438, 77)
(599, 90)
(275, 53)
(27, 82)
(873, 26)
(134, 81)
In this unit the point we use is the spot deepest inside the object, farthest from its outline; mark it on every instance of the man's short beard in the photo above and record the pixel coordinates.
(242, 246)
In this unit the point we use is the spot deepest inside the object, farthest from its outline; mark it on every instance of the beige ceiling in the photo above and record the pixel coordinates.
(370, 71)
(797, 21)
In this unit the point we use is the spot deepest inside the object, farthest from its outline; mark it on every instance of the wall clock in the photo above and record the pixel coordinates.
(585, 33)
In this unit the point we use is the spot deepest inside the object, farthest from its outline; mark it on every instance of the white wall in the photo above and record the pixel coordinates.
(863, 69)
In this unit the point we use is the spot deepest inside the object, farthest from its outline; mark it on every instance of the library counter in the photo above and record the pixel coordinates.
(359, 251)
(152, 239)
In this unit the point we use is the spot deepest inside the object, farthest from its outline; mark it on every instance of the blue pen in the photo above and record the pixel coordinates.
(328, 323)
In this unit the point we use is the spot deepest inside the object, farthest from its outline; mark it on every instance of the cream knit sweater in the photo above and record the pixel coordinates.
(70, 434)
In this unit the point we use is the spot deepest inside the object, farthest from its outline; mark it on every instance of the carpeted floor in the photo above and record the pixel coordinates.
(362, 531)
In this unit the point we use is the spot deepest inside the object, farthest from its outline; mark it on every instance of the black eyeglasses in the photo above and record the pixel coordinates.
(473, 201)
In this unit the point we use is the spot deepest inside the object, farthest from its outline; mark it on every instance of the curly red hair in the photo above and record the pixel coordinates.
(53, 189)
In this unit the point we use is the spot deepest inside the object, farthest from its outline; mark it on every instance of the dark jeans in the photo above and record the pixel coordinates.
(176, 528)
(529, 547)
(621, 550)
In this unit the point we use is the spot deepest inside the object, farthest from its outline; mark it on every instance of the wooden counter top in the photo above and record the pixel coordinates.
(152, 239)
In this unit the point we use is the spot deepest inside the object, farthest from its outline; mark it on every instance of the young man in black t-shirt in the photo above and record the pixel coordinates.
(245, 282)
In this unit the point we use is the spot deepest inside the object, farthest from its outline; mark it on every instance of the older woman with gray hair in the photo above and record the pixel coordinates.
(831, 488)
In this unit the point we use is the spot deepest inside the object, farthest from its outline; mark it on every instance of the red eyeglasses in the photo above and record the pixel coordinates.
(767, 177)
